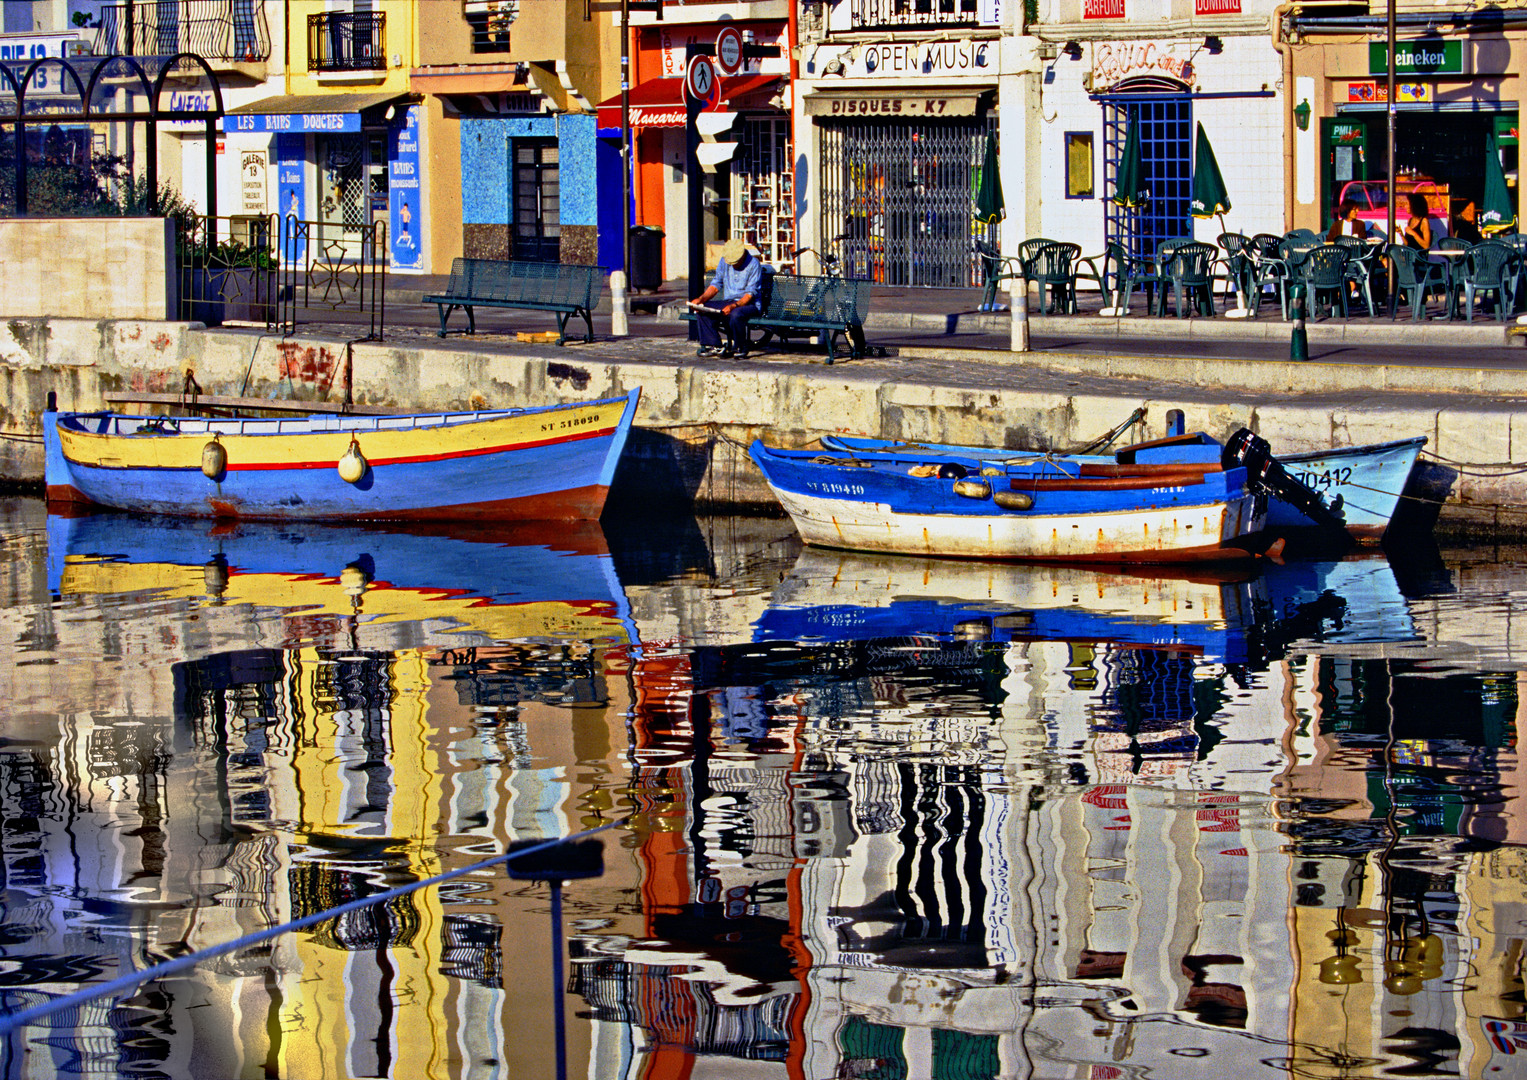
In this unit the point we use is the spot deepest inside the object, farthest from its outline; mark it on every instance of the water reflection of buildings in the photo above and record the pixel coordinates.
(968, 822)
(178, 792)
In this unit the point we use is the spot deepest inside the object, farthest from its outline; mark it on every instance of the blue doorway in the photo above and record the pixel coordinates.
(1165, 114)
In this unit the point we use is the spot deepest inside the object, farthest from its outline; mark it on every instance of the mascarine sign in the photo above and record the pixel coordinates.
(1115, 61)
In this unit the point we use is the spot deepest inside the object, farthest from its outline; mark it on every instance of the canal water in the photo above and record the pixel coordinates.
(852, 816)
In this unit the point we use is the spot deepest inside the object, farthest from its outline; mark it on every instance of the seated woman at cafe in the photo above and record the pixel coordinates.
(1347, 223)
(1420, 230)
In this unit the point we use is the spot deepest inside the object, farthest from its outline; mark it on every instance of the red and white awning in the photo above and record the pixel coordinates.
(659, 103)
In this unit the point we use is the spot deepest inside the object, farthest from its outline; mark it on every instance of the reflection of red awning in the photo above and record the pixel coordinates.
(660, 102)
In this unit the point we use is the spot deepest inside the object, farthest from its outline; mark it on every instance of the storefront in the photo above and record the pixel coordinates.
(899, 132)
(751, 193)
(346, 163)
(1092, 91)
(1457, 99)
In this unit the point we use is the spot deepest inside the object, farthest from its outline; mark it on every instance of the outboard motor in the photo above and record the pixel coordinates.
(1250, 452)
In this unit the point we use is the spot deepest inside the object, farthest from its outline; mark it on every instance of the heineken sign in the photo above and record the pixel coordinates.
(1416, 58)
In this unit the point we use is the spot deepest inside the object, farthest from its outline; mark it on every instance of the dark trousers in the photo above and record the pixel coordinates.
(736, 324)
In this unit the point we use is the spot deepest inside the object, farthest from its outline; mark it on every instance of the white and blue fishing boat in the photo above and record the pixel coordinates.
(553, 462)
(1172, 501)
(1366, 482)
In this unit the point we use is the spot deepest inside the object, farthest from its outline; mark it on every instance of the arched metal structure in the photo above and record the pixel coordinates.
(91, 88)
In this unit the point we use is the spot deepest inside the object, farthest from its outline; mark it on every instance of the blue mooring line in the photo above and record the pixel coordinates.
(25, 1017)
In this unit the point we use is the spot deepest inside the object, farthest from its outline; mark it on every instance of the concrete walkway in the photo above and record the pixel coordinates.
(900, 317)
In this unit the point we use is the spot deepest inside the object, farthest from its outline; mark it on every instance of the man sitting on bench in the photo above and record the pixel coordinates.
(737, 282)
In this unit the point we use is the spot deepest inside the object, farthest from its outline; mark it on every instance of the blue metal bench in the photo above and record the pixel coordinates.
(830, 307)
(567, 289)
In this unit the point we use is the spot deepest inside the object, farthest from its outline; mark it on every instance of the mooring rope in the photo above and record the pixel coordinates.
(11, 1021)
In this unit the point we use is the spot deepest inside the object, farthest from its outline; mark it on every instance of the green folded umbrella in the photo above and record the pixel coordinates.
(1498, 212)
(1129, 188)
(1209, 194)
(989, 206)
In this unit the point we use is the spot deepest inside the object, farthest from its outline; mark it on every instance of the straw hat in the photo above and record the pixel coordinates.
(734, 250)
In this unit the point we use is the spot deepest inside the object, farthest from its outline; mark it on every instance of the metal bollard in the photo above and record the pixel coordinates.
(1299, 341)
(1020, 328)
(618, 305)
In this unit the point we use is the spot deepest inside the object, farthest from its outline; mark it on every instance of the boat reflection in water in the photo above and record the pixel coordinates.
(897, 818)
(355, 585)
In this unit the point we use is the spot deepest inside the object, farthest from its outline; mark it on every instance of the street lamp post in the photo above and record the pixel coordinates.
(1390, 116)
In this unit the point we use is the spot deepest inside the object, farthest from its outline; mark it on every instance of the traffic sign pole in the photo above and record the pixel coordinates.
(699, 82)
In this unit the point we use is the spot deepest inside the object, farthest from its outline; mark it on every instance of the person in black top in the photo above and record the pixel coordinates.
(1466, 227)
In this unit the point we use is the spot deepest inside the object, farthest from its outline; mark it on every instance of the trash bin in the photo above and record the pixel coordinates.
(646, 271)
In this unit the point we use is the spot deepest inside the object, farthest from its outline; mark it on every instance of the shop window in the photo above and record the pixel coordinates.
(1079, 165)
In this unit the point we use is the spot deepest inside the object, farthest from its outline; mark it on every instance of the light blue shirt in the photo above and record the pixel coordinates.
(732, 284)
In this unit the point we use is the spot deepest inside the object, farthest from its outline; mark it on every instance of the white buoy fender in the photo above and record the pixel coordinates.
(353, 465)
(214, 459)
(1013, 500)
(973, 489)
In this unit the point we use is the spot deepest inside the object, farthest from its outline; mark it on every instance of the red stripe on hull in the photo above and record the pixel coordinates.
(574, 504)
(450, 455)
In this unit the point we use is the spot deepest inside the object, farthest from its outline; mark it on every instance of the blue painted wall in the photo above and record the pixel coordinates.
(485, 166)
(612, 253)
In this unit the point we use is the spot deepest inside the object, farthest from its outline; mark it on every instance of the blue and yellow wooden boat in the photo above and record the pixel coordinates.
(550, 463)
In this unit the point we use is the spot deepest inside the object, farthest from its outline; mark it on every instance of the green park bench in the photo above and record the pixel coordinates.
(567, 289)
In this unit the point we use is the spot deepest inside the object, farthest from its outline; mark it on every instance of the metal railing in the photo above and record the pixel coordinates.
(214, 29)
(327, 266)
(227, 268)
(279, 272)
(346, 41)
(879, 14)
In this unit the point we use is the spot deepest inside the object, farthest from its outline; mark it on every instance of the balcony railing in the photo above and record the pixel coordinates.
(883, 14)
(341, 41)
(215, 29)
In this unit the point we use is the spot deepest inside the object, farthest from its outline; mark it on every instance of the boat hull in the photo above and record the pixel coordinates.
(883, 509)
(553, 463)
(1369, 479)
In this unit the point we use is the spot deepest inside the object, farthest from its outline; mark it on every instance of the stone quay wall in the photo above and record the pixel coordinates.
(696, 418)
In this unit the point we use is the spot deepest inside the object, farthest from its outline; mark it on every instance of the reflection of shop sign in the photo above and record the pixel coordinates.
(906, 105)
(1365, 92)
(252, 181)
(1115, 61)
(1216, 7)
(1417, 58)
(1102, 9)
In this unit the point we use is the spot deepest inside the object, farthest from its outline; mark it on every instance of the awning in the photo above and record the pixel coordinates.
(298, 114)
(497, 79)
(896, 104)
(660, 102)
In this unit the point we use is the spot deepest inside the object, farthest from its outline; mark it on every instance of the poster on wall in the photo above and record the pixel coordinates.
(291, 194)
(405, 223)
